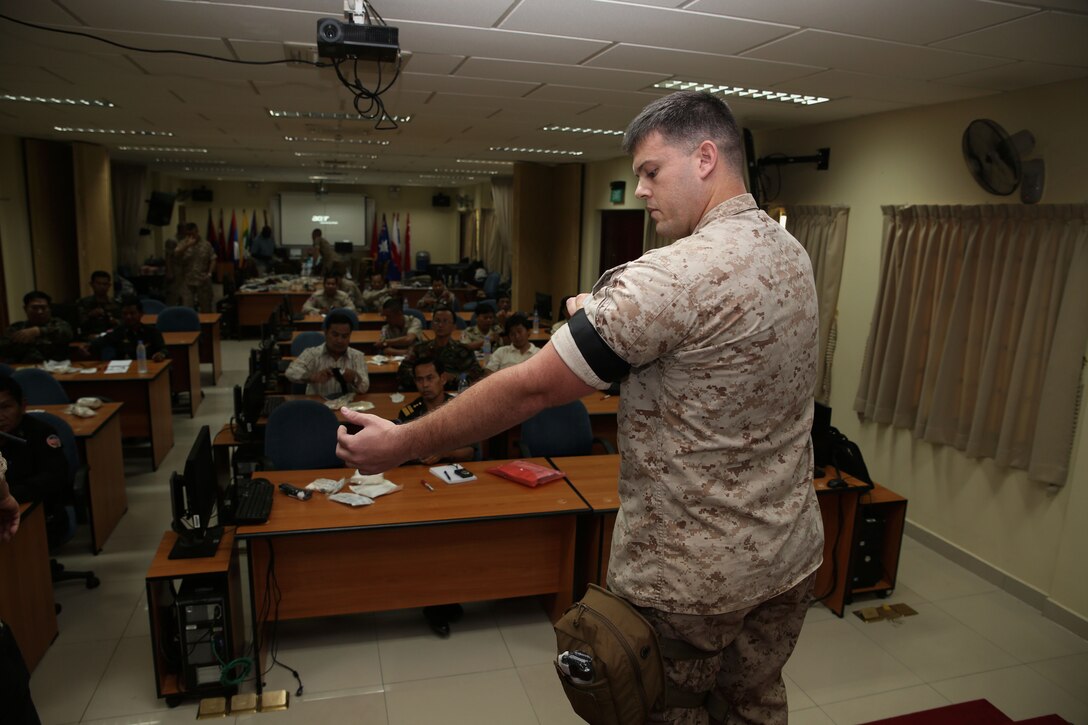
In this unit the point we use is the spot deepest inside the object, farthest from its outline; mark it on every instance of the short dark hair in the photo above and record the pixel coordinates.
(513, 320)
(132, 301)
(332, 274)
(36, 294)
(315, 233)
(392, 302)
(192, 228)
(10, 385)
(337, 318)
(428, 360)
(99, 273)
(484, 308)
(444, 308)
(686, 119)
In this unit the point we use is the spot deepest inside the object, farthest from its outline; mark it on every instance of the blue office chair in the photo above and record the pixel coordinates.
(564, 430)
(306, 340)
(491, 285)
(6, 370)
(344, 311)
(178, 319)
(152, 306)
(416, 314)
(77, 474)
(39, 387)
(301, 434)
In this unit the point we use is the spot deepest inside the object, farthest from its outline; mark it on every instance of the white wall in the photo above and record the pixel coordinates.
(14, 226)
(1034, 534)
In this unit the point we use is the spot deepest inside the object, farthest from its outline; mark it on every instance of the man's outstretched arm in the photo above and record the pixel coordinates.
(491, 406)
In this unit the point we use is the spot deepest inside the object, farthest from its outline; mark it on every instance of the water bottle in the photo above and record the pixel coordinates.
(462, 383)
(141, 357)
(403, 303)
(486, 349)
(536, 321)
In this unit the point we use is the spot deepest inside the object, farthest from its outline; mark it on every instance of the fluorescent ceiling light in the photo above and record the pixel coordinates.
(90, 102)
(111, 131)
(327, 154)
(516, 150)
(738, 92)
(185, 161)
(317, 139)
(331, 116)
(485, 162)
(164, 149)
(468, 171)
(593, 131)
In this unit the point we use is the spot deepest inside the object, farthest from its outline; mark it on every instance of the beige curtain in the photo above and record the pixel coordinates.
(498, 251)
(822, 232)
(650, 238)
(978, 330)
(128, 184)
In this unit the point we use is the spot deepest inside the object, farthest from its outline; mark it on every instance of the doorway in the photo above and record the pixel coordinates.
(621, 237)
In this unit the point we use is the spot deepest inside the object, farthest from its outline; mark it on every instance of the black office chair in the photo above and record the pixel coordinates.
(77, 473)
(301, 434)
(40, 387)
(564, 430)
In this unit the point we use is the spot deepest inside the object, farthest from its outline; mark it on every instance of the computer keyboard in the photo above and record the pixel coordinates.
(252, 501)
(271, 403)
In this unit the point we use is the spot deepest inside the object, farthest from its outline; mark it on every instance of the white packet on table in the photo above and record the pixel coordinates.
(351, 499)
(374, 490)
(325, 485)
(363, 479)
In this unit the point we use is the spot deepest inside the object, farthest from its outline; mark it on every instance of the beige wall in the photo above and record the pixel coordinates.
(595, 198)
(51, 205)
(546, 202)
(93, 210)
(1032, 533)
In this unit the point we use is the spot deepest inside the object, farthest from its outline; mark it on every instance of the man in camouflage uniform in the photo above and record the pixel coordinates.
(330, 297)
(196, 265)
(456, 359)
(40, 337)
(718, 536)
(99, 311)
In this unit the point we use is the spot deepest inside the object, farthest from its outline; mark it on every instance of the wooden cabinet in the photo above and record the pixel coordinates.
(880, 542)
(164, 579)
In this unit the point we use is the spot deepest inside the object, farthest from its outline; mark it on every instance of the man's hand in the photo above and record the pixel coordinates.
(9, 518)
(321, 376)
(159, 356)
(376, 448)
(350, 376)
(576, 303)
(27, 334)
(95, 313)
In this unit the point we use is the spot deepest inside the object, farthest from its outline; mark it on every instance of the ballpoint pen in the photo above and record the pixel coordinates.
(426, 485)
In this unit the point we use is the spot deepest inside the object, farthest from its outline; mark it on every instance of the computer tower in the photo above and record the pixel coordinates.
(204, 633)
(868, 554)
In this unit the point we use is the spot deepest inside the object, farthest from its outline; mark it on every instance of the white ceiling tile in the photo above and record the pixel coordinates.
(1015, 76)
(622, 22)
(864, 55)
(917, 21)
(492, 43)
(563, 75)
(1049, 37)
(841, 84)
(628, 99)
(465, 84)
(435, 63)
(703, 67)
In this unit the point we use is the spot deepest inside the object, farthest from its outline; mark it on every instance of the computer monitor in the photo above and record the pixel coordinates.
(248, 403)
(343, 247)
(821, 434)
(194, 497)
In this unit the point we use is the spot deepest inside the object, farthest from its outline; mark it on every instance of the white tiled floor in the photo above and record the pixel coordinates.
(969, 640)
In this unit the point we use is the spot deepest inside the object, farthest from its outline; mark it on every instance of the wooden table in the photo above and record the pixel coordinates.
(26, 586)
(255, 307)
(361, 339)
(367, 320)
(211, 341)
(596, 478)
(486, 539)
(185, 372)
(99, 440)
(147, 412)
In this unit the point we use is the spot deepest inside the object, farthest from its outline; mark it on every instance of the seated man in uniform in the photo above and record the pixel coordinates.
(348, 286)
(484, 329)
(400, 331)
(457, 360)
(40, 337)
(519, 349)
(37, 467)
(99, 311)
(332, 369)
(120, 343)
(437, 295)
(430, 381)
(330, 297)
(376, 294)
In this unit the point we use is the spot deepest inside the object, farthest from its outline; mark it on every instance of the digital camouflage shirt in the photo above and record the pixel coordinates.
(717, 334)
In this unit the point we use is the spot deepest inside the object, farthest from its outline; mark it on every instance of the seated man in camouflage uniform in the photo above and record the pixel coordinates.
(456, 358)
(485, 328)
(120, 343)
(330, 297)
(40, 337)
(98, 311)
(376, 294)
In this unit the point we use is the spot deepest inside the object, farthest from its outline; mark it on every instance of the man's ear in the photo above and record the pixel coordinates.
(708, 158)
(445, 378)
